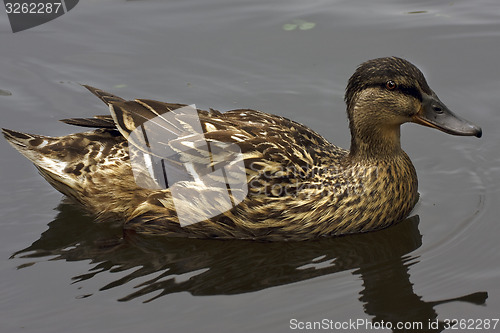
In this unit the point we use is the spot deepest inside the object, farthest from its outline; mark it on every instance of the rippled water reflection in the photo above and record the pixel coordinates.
(155, 267)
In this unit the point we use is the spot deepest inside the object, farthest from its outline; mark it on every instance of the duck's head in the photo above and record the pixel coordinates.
(384, 93)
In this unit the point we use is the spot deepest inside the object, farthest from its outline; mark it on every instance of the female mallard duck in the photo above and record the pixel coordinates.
(296, 185)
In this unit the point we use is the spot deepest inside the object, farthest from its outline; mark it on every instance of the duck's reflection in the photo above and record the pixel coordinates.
(209, 267)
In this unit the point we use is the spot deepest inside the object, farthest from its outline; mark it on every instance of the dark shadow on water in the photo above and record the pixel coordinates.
(210, 267)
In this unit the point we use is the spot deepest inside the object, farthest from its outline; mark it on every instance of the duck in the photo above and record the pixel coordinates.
(172, 170)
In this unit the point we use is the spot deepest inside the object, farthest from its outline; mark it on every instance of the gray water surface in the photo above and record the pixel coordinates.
(63, 273)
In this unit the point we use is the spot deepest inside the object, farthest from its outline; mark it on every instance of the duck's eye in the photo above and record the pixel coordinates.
(391, 85)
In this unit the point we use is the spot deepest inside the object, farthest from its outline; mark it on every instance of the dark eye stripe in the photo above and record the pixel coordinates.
(412, 91)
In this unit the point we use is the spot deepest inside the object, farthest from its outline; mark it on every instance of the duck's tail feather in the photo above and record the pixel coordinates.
(26, 143)
(104, 96)
(40, 151)
(96, 122)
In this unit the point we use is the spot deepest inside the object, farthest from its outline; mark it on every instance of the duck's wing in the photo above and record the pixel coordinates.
(165, 140)
(137, 112)
(127, 116)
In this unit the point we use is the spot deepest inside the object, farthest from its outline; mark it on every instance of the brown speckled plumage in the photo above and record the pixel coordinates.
(300, 186)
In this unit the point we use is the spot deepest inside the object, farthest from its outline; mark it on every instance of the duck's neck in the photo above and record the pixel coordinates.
(374, 141)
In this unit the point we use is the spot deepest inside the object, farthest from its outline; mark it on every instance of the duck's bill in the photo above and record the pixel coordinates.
(436, 115)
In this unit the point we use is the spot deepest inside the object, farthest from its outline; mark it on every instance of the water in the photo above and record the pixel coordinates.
(62, 272)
